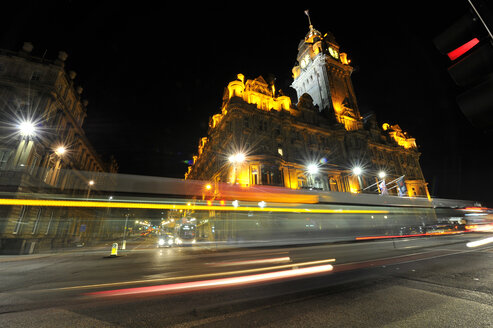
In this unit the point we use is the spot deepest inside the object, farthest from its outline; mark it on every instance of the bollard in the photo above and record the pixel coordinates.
(114, 249)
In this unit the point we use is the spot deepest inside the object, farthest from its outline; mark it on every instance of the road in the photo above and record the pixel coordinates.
(405, 282)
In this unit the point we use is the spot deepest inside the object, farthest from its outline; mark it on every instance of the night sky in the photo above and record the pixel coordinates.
(154, 74)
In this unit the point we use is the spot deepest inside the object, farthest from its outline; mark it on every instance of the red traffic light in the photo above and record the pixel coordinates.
(454, 54)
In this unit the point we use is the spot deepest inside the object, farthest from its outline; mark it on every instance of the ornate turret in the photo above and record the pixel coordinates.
(325, 74)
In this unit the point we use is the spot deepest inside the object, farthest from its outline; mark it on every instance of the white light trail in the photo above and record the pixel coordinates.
(480, 242)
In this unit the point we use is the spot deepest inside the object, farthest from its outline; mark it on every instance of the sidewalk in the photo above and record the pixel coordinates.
(103, 246)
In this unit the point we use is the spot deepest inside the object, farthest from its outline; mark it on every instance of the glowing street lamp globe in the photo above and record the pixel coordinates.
(312, 168)
(240, 157)
(27, 128)
(382, 174)
(60, 150)
(237, 158)
(357, 170)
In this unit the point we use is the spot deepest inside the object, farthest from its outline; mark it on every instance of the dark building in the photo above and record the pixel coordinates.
(43, 149)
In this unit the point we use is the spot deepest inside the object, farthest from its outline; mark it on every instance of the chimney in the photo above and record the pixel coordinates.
(62, 57)
(27, 47)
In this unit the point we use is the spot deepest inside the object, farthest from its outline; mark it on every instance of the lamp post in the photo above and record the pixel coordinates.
(381, 176)
(60, 151)
(27, 130)
(357, 170)
(124, 241)
(312, 169)
(90, 184)
(236, 159)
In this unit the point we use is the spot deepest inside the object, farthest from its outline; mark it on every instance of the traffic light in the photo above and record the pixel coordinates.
(469, 45)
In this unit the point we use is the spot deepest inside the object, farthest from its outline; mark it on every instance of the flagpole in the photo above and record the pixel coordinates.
(396, 179)
(376, 183)
(307, 13)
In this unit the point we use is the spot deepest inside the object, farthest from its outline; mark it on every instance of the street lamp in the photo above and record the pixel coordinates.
(382, 174)
(312, 169)
(124, 241)
(357, 170)
(60, 150)
(236, 159)
(90, 183)
(27, 128)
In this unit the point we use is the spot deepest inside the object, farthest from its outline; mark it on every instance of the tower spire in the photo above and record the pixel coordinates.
(313, 32)
(307, 13)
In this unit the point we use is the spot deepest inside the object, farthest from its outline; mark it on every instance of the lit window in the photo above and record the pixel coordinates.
(279, 150)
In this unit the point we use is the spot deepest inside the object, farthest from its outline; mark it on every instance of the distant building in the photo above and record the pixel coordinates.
(322, 142)
(43, 149)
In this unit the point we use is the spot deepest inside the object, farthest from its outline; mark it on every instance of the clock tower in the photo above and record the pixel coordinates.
(325, 74)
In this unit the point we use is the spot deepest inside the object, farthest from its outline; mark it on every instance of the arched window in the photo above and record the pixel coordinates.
(302, 182)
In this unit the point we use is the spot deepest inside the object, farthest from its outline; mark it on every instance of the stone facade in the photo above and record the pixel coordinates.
(52, 156)
(260, 137)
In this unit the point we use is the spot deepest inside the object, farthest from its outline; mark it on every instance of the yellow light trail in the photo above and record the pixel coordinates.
(97, 204)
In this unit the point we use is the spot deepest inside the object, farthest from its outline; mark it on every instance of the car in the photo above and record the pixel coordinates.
(165, 241)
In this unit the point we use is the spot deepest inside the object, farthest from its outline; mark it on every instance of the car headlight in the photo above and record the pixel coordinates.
(170, 241)
(178, 241)
(193, 241)
(160, 242)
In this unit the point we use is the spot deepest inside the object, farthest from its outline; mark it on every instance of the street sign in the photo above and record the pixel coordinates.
(82, 228)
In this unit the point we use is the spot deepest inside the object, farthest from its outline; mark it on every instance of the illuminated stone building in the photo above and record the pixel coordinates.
(261, 137)
(43, 149)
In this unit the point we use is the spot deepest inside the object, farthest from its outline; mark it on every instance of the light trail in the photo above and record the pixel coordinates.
(480, 242)
(111, 204)
(201, 276)
(215, 283)
(251, 262)
(415, 235)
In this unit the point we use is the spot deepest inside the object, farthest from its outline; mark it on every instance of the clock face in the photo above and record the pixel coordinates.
(333, 53)
(305, 61)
